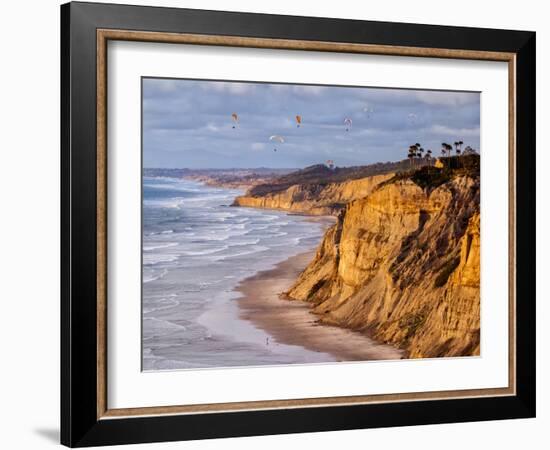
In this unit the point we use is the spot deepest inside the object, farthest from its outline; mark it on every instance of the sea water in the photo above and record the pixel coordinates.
(196, 248)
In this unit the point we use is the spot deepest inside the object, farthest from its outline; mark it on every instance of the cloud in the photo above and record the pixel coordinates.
(309, 90)
(161, 84)
(228, 87)
(212, 127)
(448, 98)
(456, 132)
(257, 146)
(187, 123)
(302, 90)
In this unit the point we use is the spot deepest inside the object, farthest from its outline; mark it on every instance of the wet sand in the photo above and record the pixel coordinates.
(293, 323)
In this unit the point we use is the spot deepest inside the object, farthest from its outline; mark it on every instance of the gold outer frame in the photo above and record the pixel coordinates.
(103, 36)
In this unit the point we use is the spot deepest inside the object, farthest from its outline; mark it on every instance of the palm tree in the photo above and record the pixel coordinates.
(417, 151)
(429, 156)
(459, 151)
(411, 154)
(444, 146)
(446, 149)
(420, 154)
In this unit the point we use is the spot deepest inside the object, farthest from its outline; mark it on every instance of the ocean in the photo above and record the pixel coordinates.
(196, 249)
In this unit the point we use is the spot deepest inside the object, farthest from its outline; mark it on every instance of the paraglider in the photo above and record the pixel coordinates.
(412, 117)
(277, 138)
(348, 122)
(298, 120)
(235, 119)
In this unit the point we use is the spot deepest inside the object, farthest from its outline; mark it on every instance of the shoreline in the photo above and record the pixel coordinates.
(291, 322)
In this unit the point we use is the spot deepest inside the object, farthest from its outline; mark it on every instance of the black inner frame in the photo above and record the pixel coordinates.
(79, 423)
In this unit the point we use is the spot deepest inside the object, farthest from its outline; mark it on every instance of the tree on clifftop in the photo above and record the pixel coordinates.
(429, 155)
(412, 153)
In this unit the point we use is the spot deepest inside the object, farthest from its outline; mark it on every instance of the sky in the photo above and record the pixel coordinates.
(188, 123)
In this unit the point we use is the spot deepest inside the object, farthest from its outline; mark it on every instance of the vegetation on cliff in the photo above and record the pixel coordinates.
(321, 175)
(429, 177)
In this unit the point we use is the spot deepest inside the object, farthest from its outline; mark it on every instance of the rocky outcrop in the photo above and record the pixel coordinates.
(402, 264)
(315, 199)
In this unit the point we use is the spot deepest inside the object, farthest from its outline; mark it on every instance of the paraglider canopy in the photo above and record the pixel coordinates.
(348, 122)
(277, 138)
(298, 120)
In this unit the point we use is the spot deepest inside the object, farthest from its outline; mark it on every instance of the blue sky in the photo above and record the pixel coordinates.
(187, 123)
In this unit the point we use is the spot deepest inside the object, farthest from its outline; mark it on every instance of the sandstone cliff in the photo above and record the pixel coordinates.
(314, 198)
(401, 263)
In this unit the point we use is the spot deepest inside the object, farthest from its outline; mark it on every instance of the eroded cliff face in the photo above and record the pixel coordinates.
(402, 263)
(315, 199)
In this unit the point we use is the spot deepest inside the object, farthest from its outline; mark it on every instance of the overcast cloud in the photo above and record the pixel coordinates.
(188, 123)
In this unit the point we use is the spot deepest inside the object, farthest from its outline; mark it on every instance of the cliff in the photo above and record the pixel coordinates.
(401, 263)
(317, 198)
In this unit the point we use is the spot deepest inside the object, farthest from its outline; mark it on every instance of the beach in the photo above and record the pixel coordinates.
(292, 323)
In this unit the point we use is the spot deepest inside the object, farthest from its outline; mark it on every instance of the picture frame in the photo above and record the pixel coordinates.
(86, 29)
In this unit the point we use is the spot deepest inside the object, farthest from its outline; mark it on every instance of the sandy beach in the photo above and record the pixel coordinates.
(292, 323)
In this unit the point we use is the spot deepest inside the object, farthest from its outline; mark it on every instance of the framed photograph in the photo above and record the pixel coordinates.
(276, 224)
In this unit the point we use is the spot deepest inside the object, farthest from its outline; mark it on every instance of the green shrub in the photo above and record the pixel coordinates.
(430, 177)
